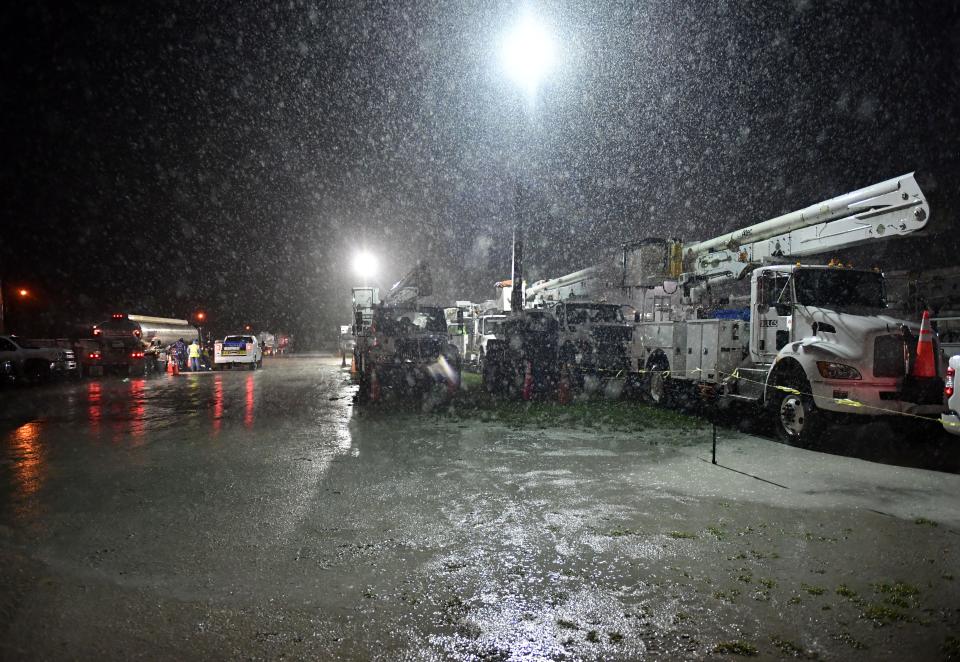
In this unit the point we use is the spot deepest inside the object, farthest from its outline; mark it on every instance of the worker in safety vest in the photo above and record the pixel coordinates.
(194, 351)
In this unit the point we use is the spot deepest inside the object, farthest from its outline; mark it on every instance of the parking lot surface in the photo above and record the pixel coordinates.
(262, 515)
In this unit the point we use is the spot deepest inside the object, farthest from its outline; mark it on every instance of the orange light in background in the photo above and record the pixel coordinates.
(201, 316)
(22, 292)
(246, 328)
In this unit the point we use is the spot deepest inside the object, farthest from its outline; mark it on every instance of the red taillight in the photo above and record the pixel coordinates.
(136, 355)
(249, 346)
(948, 384)
(94, 355)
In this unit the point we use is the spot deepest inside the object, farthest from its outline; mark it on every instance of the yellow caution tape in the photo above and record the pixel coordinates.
(847, 402)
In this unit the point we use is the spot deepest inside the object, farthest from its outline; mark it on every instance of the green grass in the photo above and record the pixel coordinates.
(845, 591)
(738, 647)
(787, 647)
(682, 535)
(813, 590)
(924, 520)
(475, 402)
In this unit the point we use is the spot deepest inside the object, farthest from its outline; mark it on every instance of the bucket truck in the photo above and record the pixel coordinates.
(808, 341)
(594, 338)
(405, 347)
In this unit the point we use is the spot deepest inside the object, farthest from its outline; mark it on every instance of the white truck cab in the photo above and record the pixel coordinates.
(239, 350)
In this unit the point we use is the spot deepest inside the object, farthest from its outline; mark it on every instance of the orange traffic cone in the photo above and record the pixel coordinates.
(528, 382)
(374, 386)
(353, 365)
(925, 365)
(564, 391)
(176, 368)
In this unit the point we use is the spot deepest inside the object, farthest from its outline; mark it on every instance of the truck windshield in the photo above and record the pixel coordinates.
(493, 326)
(839, 287)
(581, 314)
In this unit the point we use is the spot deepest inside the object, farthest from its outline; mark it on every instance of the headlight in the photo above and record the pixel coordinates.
(830, 370)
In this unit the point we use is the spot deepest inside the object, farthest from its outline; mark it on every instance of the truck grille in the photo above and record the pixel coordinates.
(889, 354)
(418, 348)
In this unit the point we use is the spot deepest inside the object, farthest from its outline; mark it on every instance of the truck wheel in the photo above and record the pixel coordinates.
(795, 414)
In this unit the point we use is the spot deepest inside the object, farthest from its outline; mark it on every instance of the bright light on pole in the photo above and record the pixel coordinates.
(23, 292)
(528, 53)
(365, 265)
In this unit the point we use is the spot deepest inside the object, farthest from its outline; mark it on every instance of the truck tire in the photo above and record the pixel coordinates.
(796, 417)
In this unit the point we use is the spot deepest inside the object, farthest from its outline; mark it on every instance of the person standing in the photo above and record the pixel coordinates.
(181, 352)
(194, 350)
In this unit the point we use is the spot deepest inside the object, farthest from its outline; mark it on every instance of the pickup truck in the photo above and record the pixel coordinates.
(238, 351)
(34, 362)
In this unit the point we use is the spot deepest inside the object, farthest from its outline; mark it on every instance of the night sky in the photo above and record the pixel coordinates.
(169, 157)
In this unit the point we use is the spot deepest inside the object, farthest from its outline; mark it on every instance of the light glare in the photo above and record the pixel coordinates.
(528, 53)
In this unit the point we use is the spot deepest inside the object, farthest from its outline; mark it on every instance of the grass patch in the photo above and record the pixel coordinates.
(795, 600)
(716, 531)
(786, 646)
(898, 589)
(567, 625)
(738, 647)
(682, 535)
(593, 637)
(882, 614)
(845, 591)
(767, 583)
(813, 590)
(727, 596)
(849, 640)
(615, 637)
(924, 521)
(681, 616)
(474, 402)
(619, 533)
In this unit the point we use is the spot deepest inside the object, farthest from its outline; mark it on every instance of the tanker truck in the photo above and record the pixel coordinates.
(135, 344)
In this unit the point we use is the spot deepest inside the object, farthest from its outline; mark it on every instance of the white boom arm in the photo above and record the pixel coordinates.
(894, 208)
(564, 287)
(417, 283)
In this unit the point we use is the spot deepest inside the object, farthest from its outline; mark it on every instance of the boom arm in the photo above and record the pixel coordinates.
(417, 283)
(890, 209)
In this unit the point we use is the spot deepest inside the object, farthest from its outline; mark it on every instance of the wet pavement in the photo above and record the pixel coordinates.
(261, 515)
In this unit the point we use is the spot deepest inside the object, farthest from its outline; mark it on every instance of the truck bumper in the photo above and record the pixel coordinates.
(879, 398)
(951, 422)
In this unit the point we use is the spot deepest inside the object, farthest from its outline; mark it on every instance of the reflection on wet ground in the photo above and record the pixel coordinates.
(260, 514)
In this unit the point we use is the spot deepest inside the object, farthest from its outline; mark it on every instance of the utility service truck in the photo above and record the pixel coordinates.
(405, 348)
(807, 341)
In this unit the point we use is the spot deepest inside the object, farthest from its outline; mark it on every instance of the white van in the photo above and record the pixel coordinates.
(238, 350)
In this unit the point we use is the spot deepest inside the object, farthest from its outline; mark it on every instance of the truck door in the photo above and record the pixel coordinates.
(771, 315)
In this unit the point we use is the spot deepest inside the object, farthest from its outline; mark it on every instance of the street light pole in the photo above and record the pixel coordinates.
(528, 55)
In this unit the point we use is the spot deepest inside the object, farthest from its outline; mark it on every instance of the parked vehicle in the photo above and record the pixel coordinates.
(135, 344)
(238, 351)
(951, 417)
(524, 360)
(806, 341)
(33, 361)
(404, 348)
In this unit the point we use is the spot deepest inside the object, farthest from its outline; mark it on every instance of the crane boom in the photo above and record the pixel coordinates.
(896, 207)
